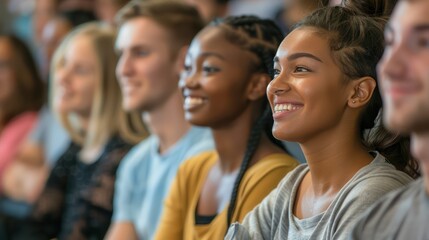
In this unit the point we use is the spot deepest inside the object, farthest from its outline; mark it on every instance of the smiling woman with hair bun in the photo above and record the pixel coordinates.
(325, 96)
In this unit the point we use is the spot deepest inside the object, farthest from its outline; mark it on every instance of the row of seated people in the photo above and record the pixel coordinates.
(213, 153)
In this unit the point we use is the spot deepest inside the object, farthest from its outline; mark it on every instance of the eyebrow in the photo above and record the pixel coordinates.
(421, 27)
(212, 54)
(299, 55)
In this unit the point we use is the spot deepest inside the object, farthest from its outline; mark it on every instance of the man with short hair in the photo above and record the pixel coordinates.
(404, 84)
(152, 42)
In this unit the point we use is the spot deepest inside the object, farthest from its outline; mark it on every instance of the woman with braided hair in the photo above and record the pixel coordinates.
(227, 70)
(324, 96)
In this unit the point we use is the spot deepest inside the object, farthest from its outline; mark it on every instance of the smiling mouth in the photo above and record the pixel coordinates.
(278, 108)
(192, 102)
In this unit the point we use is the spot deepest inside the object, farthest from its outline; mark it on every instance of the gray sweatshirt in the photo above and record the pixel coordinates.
(274, 219)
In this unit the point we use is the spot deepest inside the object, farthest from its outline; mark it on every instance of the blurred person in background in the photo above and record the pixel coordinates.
(55, 30)
(106, 10)
(404, 81)
(44, 11)
(296, 10)
(21, 96)
(260, 8)
(47, 10)
(22, 93)
(76, 202)
(373, 8)
(210, 9)
(83, 5)
(52, 35)
(152, 42)
(25, 177)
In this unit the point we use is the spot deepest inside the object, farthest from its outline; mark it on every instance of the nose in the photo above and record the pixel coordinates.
(278, 86)
(188, 79)
(62, 75)
(393, 64)
(124, 67)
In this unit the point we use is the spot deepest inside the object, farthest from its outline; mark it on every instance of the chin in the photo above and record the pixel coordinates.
(130, 106)
(400, 126)
(194, 121)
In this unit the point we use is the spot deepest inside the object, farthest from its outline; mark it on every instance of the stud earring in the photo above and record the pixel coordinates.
(353, 101)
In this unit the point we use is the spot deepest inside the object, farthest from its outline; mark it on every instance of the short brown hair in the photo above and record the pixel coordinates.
(181, 20)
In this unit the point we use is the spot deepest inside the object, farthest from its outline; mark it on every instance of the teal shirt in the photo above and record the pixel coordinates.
(144, 178)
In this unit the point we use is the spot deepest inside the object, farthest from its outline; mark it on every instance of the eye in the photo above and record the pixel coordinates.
(276, 72)
(300, 69)
(82, 70)
(423, 42)
(187, 68)
(210, 69)
(140, 53)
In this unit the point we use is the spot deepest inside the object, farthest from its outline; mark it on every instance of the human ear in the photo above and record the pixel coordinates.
(363, 88)
(258, 86)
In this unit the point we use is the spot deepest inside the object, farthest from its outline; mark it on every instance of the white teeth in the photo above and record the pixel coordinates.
(285, 107)
(192, 101)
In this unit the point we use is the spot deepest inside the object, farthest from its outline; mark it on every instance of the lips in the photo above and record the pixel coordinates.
(401, 91)
(128, 86)
(193, 102)
(286, 107)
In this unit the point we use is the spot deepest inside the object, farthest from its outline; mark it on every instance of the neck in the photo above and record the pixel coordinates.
(333, 159)
(168, 122)
(420, 150)
(231, 141)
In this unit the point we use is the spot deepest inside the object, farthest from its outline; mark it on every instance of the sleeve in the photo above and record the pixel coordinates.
(97, 200)
(124, 185)
(172, 223)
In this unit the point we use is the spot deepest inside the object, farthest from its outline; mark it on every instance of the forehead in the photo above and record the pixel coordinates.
(305, 40)
(213, 39)
(408, 15)
(140, 30)
(79, 45)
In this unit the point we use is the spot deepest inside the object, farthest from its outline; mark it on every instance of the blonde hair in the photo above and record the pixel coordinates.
(107, 118)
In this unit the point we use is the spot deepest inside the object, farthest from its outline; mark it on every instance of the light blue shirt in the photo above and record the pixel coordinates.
(144, 178)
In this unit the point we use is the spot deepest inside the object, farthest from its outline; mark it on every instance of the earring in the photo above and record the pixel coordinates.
(353, 101)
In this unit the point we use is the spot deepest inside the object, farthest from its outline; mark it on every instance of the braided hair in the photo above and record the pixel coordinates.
(261, 37)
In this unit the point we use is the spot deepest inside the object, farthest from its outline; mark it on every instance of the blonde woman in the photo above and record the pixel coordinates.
(77, 200)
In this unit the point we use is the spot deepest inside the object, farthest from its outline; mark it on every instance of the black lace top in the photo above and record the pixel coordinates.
(77, 201)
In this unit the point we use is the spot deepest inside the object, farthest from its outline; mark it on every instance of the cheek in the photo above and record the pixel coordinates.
(86, 91)
(154, 70)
